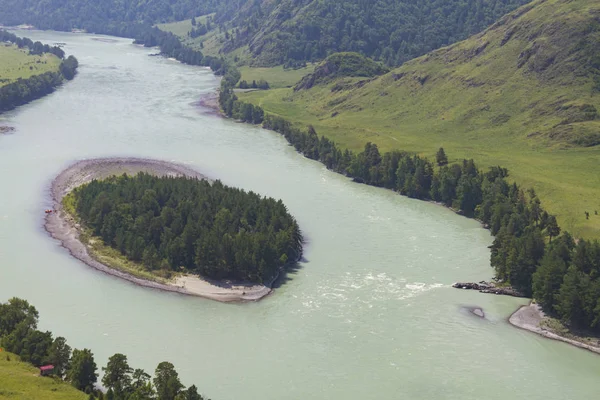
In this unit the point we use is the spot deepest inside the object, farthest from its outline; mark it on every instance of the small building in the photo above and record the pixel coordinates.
(46, 370)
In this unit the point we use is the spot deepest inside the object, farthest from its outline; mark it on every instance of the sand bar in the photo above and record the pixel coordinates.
(63, 227)
(529, 317)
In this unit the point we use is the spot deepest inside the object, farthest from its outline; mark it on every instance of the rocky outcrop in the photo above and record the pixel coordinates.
(488, 287)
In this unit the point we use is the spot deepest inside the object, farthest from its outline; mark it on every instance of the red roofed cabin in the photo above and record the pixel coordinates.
(46, 370)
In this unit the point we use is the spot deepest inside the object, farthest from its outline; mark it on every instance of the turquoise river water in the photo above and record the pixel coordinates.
(370, 314)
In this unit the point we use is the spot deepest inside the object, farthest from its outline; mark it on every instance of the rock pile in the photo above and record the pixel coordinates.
(488, 287)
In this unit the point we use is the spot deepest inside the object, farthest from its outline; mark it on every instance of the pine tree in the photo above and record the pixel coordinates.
(441, 157)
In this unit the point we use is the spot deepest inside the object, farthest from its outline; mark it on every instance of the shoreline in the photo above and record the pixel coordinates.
(530, 318)
(63, 227)
(208, 103)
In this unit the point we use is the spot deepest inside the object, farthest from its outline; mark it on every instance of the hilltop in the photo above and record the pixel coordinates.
(523, 94)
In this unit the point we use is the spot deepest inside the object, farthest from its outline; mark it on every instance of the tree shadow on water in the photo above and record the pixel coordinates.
(288, 273)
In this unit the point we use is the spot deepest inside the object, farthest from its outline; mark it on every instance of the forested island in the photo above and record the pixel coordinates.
(165, 226)
(22, 342)
(21, 82)
(187, 225)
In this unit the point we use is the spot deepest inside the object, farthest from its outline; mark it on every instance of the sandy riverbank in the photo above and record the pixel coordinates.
(531, 317)
(63, 227)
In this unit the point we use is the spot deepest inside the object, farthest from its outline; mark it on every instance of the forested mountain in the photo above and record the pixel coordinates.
(100, 16)
(393, 31)
(181, 224)
(282, 31)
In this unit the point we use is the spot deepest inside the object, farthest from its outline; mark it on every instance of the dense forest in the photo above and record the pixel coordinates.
(393, 31)
(100, 16)
(182, 224)
(19, 335)
(283, 32)
(529, 252)
(23, 91)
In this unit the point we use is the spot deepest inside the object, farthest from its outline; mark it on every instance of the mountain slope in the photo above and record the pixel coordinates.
(101, 16)
(523, 94)
(392, 31)
(276, 32)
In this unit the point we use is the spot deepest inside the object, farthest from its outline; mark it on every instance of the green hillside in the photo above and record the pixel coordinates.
(341, 65)
(523, 94)
(17, 63)
(283, 32)
(393, 31)
(99, 16)
(21, 381)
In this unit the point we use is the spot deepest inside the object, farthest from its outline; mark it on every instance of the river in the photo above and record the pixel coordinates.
(369, 314)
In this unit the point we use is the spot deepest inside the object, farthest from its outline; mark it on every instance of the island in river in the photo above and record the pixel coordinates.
(82, 189)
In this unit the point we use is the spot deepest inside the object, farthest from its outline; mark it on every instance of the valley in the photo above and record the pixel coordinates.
(492, 115)
(476, 101)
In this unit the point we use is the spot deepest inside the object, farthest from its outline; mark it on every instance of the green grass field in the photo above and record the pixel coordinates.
(278, 77)
(21, 381)
(478, 101)
(16, 63)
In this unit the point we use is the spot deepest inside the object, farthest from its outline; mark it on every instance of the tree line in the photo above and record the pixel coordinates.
(529, 252)
(190, 225)
(171, 46)
(19, 335)
(35, 48)
(22, 91)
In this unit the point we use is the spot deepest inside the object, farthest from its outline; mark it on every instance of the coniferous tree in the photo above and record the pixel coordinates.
(441, 158)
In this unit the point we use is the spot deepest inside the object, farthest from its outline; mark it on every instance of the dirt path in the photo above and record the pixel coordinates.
(63, 228)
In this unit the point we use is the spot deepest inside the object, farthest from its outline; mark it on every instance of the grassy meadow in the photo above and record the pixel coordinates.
(16, 63)
(278, 77)
(21, 381)
(479, 100)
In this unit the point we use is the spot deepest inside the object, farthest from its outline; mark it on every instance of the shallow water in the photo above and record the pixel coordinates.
(369, 314)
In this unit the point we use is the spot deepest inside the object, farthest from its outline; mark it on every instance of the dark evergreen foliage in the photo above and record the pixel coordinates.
(179, 223)
(103, 16)
(393, 31)
(288, 32)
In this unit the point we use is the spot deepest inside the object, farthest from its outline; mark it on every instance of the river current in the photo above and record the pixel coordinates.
(369, 314)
